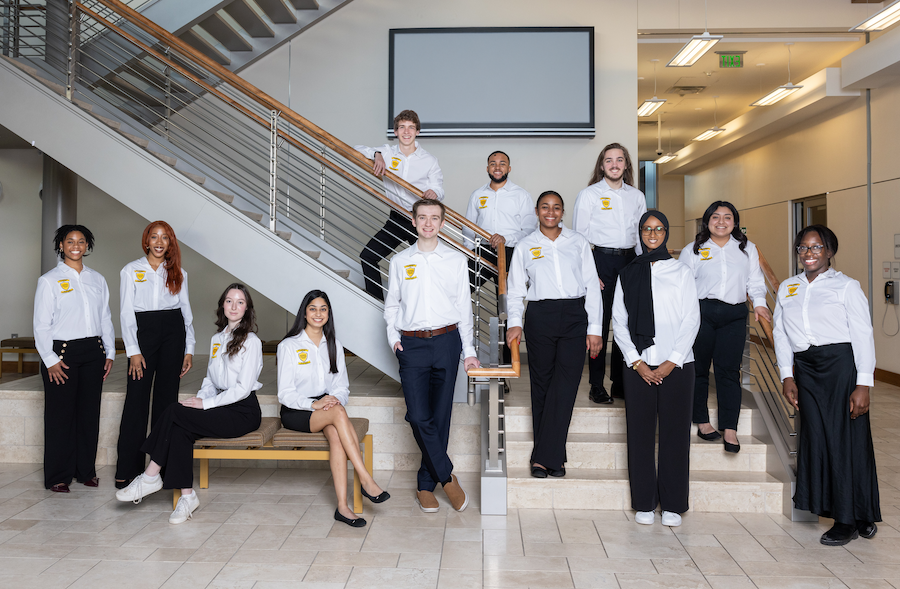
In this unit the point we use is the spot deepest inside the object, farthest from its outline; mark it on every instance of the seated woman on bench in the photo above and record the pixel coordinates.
(225, 406)
(313, 388)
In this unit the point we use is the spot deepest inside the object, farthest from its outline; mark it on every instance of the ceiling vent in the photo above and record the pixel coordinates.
(688, 85)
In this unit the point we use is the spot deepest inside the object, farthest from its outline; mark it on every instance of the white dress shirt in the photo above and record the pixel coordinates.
(420, 169)
(508, 211)
(304, 372)
(545, 269)
(609, 218)
(726, 274)
(229, 380)
(71, 305)
(141, 288)
(832, 309)
(429, 290)
(676, 316)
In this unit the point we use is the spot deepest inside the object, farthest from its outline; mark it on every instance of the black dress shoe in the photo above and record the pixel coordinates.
(560, 472)
(380, 498)
(599, 395)
(839, 535)
(538, 472)
(733, 448)
(713, 435)
(353, 523)
(866, 529)
(617, 392)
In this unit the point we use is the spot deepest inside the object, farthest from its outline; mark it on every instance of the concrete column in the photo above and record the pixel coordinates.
(59, 203)
(56, 36)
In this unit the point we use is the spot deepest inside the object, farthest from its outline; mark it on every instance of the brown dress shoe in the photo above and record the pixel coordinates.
(458, 498)
(60, 488)
(427, 501)
(94, 482)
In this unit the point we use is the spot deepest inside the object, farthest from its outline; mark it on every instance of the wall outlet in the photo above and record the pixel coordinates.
(14, 335)
(886, 270)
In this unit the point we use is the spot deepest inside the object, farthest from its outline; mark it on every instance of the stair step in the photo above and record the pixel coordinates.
(229, 198)
(110, 123)
(251, 22)
(277, 10)
(166, 158)
(285, 235)
(312, 254)
(255, 216)
(134, 138)
(342, 273)
(195, 177)
(610, 451)
(710, 491)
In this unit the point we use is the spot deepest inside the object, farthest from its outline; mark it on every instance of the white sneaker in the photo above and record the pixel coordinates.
(645, 517)
(670, 518)
(184, 508)
(139, 488)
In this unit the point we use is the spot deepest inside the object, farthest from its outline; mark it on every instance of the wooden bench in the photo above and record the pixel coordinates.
(25, 345)
(273, 442)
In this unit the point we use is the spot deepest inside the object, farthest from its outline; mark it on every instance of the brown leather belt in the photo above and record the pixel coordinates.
(428, 333)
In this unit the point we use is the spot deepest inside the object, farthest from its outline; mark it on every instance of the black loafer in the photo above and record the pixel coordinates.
(123, 484)
(561, 472)
(713, 435)
(866, 529)
(353, 523)
(538, 472)
(600, 396)
(380, 498)
(839, 535)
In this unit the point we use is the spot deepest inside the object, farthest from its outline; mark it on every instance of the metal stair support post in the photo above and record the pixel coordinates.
(493, 469)
(273, 168)
(71, 62)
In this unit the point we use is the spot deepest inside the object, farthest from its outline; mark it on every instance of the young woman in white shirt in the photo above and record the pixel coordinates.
(726, 269)
(313, 388)
(73, 333)
(826, 356)
(656, 316)
(158, 330)
(225, 406)
(553, 270)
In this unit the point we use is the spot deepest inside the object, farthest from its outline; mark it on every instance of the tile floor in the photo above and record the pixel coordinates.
(273, 529)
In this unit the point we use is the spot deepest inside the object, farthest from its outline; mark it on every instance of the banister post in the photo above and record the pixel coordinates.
(273, 167)
(72, 50)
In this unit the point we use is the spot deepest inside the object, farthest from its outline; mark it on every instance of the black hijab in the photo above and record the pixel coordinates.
(635, 278)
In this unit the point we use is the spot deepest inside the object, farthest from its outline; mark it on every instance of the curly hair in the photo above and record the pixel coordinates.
(244, 328)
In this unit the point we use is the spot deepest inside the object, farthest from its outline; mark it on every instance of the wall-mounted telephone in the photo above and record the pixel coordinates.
(890, 293)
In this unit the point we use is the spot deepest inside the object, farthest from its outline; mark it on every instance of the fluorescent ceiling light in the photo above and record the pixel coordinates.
(665, 158)
(694, 49)
(881, 19)
(649, 107)
(709, 133)
(776, 95)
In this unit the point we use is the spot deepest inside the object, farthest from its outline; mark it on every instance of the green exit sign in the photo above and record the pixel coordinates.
(731, 60)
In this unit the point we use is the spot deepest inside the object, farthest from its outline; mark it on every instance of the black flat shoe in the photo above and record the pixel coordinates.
(866, 529)
(561, 472)
(380, 498)
(713, 435)
(538, 472)
(839, 535)
(123, 484)
(600, 396)
(733, 448)
(353, 523)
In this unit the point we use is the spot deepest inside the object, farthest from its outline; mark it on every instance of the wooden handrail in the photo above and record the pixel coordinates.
(263, 122)
(512, 372)
(767, 270)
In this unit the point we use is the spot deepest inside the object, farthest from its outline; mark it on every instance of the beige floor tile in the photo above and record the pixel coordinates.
(645, 546)
(391, 578)
(248, 556)
(867, 584)
(666, 566)
(697, 540)
(594, 580)
(784, 569)
(356, 559)
(463, 555)
(714, 560)
(327, 574)
(730, 582)
(136, 575)
(419, 560)
(633, 581)
(528, 579)
(457, 579)
(593, 551)
(384, 539)
(505, 542)
(883, 551)
(193, 575)
(710, 523)
(797, 583)
(525, 563)
(865, 571)
(827, 555)
(262, 572)
(30, 566)
(744, 548)
(611, 565)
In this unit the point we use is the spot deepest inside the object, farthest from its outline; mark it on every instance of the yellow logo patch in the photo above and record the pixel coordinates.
(216, 349)
(482, 202)
(395, 162)
(64, 286)
(704, 253)
(410, 271)
(605, 202)
(792, 290)
(140, 276)
(536, 253)
(303, 356)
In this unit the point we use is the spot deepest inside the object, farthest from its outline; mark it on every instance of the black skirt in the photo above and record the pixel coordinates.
(835, 456)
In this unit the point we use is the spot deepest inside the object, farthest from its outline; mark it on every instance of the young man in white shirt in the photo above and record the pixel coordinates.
(428, 312)
(607, 212)
(413, 164)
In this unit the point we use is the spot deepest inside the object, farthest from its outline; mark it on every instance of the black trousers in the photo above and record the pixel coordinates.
(556, 331)
(720, 341)
(161, 336)
(608, 268)
(72, 412)
(669, 404)
(490, 255)
(171, 442)
(396, 230)
(428, 375)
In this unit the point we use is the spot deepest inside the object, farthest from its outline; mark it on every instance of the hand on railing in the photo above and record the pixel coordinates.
(513, 371)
